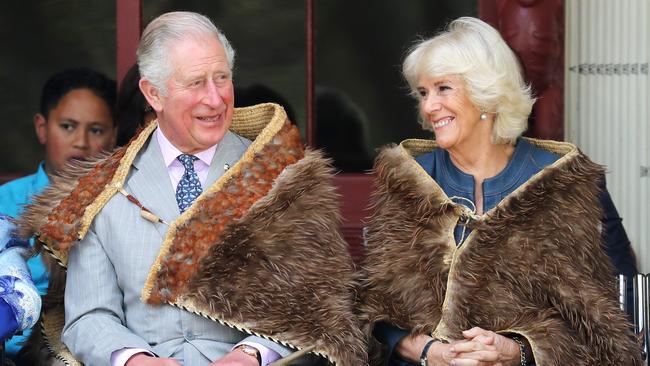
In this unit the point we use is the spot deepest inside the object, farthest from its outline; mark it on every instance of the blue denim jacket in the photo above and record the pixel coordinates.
(526, 161)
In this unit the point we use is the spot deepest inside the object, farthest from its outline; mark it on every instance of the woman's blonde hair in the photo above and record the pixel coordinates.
(475, 52)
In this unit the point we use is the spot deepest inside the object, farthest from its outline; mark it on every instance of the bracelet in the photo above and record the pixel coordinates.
(423, 355)
(522, 350)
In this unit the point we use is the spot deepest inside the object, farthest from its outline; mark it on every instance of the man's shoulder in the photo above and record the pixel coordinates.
(235, 140)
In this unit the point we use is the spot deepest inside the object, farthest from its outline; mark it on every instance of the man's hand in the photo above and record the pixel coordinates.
(143, 359)
(236, 358)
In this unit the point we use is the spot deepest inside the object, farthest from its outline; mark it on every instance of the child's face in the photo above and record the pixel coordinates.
(78, 127)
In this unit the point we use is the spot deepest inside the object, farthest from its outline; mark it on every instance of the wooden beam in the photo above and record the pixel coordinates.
(129, 27)
(309, 128)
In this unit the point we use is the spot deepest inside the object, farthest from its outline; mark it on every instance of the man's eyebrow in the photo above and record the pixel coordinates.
(192, 74)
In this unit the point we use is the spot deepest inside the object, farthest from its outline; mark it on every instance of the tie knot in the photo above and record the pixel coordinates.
(187, 161)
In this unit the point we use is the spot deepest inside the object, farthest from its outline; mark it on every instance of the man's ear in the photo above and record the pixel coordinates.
(40, 126)
(152, 94)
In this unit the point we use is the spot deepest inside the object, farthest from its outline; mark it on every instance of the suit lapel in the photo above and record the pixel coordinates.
(227, 154)
(150, 184)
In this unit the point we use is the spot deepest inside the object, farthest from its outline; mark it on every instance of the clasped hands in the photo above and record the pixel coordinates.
(479, 347)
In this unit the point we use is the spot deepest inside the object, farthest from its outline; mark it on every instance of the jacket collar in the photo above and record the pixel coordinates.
(501, 182)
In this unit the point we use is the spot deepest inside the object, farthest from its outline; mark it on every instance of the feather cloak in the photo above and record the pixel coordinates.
(260, 250)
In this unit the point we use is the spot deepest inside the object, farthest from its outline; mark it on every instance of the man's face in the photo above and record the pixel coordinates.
(78, 127)
(197, 110)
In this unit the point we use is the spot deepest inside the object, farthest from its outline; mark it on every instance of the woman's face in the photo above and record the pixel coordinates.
(455, 120)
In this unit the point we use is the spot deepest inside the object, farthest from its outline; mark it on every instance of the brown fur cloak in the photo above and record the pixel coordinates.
(532, 265)
(260, 250)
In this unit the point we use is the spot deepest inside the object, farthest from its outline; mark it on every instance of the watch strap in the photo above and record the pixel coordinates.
(423, 356)
(522, 350)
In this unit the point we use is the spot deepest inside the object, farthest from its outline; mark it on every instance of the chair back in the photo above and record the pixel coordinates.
(634, 297)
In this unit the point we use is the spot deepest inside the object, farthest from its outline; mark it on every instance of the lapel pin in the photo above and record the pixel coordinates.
(226, 166)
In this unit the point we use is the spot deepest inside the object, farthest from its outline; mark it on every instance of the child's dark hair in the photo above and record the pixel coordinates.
(63, 82)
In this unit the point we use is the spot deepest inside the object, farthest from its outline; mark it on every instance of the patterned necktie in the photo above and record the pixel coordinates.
(189, 186)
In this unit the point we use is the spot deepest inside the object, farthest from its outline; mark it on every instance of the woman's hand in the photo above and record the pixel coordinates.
(483, 347)
(410, 348)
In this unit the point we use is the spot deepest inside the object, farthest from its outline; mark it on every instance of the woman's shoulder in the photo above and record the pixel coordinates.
(537, 155)
(428, 160)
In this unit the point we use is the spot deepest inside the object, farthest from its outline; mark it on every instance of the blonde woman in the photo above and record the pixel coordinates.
(485, 248)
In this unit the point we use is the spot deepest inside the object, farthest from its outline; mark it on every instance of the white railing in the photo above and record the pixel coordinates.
(634, 296)
(606, 103)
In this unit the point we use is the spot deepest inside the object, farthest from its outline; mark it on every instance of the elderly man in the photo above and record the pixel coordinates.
(197, 245)
(194, 102)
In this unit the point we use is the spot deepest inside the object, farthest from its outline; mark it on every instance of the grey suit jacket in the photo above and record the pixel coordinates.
(108, 268)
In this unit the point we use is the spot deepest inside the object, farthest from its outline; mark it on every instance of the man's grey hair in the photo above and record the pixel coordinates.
(153, 54)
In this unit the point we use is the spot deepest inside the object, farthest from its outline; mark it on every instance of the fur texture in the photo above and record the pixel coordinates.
(291, 239)
(534, 265)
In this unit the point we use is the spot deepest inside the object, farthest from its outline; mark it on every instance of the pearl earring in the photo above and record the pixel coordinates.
(483, 116)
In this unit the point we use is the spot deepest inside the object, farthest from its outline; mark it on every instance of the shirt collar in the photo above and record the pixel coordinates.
(170, 152)
(42, 179)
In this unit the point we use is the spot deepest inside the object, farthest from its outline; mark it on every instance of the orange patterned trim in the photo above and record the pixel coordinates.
(191, 236)
(71, 218)
(64, 222)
